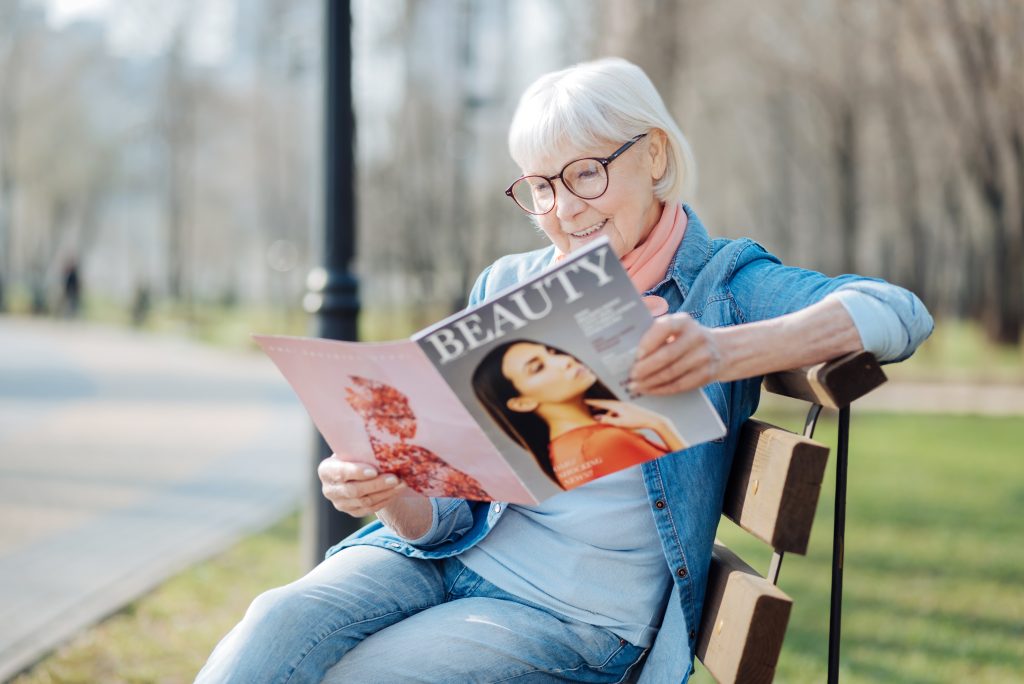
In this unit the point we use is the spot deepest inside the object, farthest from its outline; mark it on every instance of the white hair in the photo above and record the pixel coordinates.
(607, 101)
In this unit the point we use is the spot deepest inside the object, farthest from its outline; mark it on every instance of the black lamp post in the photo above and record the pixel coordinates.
(333, 288)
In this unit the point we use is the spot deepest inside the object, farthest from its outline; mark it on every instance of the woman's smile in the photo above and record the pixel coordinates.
(590, 231)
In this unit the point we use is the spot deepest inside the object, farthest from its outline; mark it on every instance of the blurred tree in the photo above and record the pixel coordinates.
(12, 38)
(283, 140)
(650, 33)
(898, 95)
(975, 54)
(176, 128)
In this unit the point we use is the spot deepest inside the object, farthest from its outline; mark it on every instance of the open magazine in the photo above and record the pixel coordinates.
(516, 399)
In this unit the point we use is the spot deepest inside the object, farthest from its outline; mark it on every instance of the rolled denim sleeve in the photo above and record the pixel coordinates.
(450, 519)
(762, 287)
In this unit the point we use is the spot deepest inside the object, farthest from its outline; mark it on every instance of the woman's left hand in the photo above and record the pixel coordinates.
(676, 354)
(627, 415)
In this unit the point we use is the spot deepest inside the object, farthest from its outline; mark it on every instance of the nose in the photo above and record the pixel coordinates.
(567, 205)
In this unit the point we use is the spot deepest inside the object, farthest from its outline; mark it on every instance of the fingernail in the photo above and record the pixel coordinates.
(369, 472)
(391, 480)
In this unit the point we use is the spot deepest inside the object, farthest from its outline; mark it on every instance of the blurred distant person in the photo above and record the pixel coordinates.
(141, 304)
(72, 289)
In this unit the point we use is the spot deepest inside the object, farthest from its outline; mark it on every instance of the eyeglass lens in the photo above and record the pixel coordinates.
(585, 178)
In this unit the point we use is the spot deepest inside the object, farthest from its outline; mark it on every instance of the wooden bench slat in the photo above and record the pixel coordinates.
(774, 485)
(834, 384)
(744, 621)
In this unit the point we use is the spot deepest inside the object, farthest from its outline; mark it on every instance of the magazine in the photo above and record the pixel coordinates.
(516, 399)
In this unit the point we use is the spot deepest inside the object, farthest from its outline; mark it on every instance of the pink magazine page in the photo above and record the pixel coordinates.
(386, 404)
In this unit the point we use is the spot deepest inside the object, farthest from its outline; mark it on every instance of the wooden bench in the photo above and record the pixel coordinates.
(772, 494)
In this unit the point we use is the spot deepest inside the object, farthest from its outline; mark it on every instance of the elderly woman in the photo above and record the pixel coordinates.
(597, 579)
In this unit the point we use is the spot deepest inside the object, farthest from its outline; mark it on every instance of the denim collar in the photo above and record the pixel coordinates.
(691, 257)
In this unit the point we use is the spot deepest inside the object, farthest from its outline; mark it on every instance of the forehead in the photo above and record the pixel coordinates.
(549, 163)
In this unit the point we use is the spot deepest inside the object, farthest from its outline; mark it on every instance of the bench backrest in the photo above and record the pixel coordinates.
(772, 493)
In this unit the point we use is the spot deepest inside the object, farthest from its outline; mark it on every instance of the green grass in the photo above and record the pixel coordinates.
(166, 636)
(934, 563)
(933, 576)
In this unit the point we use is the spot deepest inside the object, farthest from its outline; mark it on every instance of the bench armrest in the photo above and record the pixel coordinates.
(833, 384)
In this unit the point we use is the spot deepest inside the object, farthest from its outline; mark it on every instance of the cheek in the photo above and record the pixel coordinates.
(628, 209)
(543, 388)
(551, 229)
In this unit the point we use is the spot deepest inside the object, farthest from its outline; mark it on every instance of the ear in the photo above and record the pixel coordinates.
(522, 404)
(658, 151)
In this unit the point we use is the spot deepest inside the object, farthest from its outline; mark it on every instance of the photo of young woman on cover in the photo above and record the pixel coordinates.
(556, 407)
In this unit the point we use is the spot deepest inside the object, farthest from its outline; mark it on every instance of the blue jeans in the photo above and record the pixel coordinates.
(368, 614)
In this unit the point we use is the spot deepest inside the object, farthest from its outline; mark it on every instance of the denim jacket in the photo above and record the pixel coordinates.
(719, 282)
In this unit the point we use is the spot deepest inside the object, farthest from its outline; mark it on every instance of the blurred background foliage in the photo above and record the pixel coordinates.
(169, 153)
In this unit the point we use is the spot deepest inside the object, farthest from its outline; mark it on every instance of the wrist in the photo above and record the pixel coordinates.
(818, 333)
(410, 516)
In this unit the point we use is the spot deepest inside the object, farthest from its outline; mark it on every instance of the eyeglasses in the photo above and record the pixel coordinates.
(586, 178)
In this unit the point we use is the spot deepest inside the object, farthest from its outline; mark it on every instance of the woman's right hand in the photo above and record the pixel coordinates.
(357, 488)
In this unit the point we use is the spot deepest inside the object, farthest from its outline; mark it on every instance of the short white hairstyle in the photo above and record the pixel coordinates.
(603, 102)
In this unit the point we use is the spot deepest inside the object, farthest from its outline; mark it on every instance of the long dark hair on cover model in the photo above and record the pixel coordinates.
(527, 429)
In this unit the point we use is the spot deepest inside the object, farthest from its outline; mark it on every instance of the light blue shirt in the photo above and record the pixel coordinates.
(593, 554)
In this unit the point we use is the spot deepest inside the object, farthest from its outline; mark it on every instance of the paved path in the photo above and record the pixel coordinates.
(954, 397)
(124, 458)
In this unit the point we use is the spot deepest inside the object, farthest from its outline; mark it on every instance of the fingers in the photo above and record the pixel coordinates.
(683, 383)
(607, 404)
(357, 488)
(687, 358)
(365, 505)
(337, 469)
(661, 331)
(678, 337)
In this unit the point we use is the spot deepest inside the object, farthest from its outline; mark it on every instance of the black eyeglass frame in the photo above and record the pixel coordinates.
(603, 161)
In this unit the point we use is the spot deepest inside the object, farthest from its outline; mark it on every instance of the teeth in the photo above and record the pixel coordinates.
(589, 231)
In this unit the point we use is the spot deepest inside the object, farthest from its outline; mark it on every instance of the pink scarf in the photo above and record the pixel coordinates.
(648, 262)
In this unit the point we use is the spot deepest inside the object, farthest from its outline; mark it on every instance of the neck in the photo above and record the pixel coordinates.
(651, 218)
(562, 418)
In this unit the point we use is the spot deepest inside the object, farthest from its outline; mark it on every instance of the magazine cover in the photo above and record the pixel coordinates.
(542, 368)
(515, 400)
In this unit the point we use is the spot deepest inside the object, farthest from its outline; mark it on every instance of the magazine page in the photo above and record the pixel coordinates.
(385, 404)
(542, 367)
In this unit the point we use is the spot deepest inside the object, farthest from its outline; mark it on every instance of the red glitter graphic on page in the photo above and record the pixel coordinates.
(387, 417)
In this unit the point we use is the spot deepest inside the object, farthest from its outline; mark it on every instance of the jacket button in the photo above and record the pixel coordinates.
(659, 504)
(681, 572)
(693, 635)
